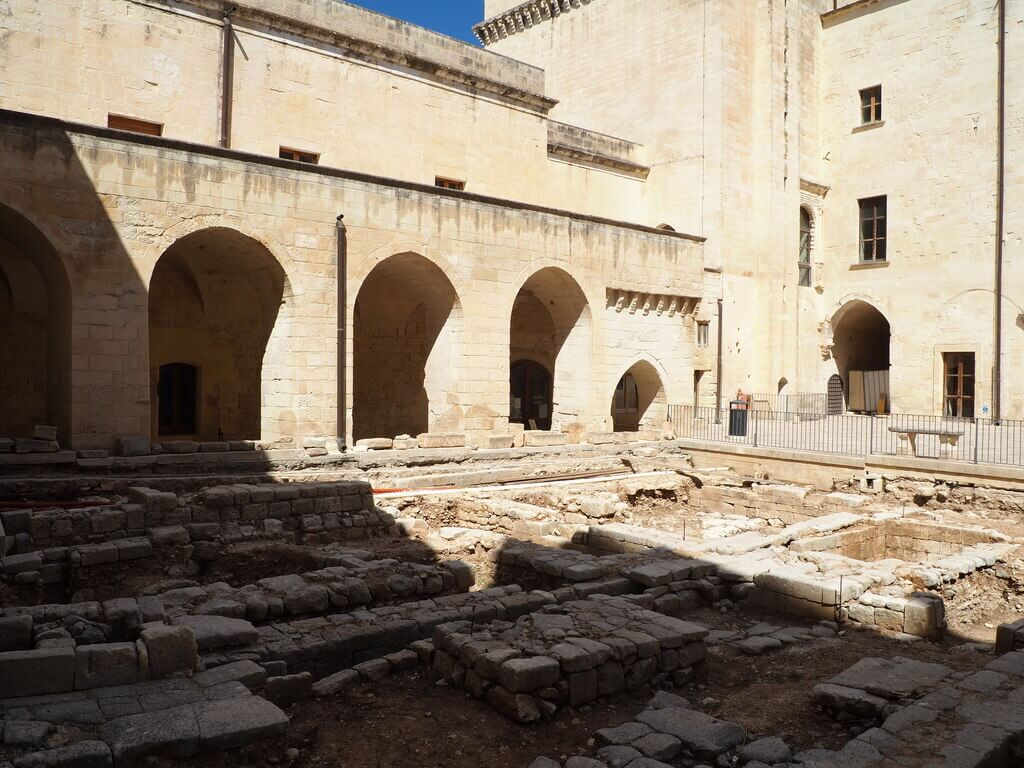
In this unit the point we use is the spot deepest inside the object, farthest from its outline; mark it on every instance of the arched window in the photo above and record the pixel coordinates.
(806, 232)
(627, 397)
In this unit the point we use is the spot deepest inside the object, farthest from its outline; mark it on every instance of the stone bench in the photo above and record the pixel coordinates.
(907, 437)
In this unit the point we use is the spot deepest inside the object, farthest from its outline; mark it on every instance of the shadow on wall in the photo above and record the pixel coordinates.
(639, 402)
(72, 304)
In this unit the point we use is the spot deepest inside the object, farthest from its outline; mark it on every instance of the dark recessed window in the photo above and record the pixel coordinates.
(133, 124)
(444, 183)
(298, 155)
(872, 228)
(703, 333)
(871, 105)
(806, 230)
(627, 395)
(177, 399)
(958, 389)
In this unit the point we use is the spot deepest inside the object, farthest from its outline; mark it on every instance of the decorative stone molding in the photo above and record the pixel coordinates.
(522, 17)
(636, 301)
(813, 188)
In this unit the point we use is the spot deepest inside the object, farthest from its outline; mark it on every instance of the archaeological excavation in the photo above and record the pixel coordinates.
(587, 605)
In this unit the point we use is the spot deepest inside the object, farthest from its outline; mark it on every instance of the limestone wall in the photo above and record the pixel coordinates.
(112, 208)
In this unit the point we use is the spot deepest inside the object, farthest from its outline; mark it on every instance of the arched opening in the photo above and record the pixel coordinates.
(550, 326)
(836, 395)
(860, 337)
(405, 352)
(35, 331)
(214, 298)
(639, 402)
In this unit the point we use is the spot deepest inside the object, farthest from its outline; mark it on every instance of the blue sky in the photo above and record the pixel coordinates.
(450, 17)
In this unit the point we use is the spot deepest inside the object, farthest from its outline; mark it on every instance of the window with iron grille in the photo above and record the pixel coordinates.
(298, 155)
(872, 228)
(871, 105)
(804, 265)
(703, 333)
(443, 183)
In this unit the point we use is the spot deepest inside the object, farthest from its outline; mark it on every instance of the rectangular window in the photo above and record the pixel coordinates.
(133, 124)
(871, 105)
(298, 155)
(703, 333)
(805, 248)
(444, 183)
(872, 229)
(958, 387)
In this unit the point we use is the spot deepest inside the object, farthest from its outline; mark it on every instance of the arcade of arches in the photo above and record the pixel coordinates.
(35, 318)
(214, 299)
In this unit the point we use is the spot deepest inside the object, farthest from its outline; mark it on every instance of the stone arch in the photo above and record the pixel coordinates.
(645, 407)
(407, 328)
(550, 323)
(35, 330)
(215, 301)
(861, 338)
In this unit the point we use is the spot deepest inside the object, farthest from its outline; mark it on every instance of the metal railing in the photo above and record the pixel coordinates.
(976, 441)
(801, 402)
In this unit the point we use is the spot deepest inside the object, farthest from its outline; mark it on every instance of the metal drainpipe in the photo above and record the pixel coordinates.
(227, 79)
(718, 373)
(342, 367)
(997, 367)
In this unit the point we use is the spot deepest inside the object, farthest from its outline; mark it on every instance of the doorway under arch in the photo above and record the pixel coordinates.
(407, 326)
(530, 395)
(214, 299)
(35, 330)
(551, 326)
(860, 347)
(639, 402)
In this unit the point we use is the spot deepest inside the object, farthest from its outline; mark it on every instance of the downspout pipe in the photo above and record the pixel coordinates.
(342, 367)
(227, 79)
(718, 364)
(997, 364)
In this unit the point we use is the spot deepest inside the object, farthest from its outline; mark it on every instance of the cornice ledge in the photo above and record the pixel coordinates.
(522, 17)
(576, 155)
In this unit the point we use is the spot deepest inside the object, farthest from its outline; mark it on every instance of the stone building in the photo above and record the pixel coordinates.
(555, 232)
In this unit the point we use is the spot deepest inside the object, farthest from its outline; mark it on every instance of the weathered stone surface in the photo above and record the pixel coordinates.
(97, 666)
(755, 646)
(288, 688)
(25, 733)
(696, 730)
(213, 632)
(175, 733)
(660, 746)
(237, 722)
(626, 733)
(35, 672)
(15, 633)
(439, 440)
(898, 678)
(618, 756)
(519, 675)
(132, 446)
(769, 750)
(333, 684)
(515, 706)
(249, 673)
(843, 698)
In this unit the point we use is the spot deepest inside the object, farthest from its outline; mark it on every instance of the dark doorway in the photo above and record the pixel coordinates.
(177, 392)
(530, 395)
(959, 384)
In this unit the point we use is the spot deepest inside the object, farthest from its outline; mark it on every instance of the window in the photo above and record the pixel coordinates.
(697, 376)
(177, 397)
(871, 105)
(872, 229)
(627, 396)
(298, 155)
(703, 333)
(133, 124)
(805, 248)
(958, 389)
(444, 183)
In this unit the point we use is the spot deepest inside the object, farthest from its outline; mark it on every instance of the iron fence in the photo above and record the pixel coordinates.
(979, 441)
(800, 402)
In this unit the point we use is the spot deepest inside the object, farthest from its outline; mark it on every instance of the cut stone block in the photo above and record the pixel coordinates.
(286, 689)
(236, 722)
(218, 631)
(439, 440)
(539, 438)
(37, 672)
(26, 445)
(520, 675)
(106, 664)
(174, 733)
(132, 446)
(171, 650)
(16, 633)
(697, 731)
(43, 432)
(376, 443)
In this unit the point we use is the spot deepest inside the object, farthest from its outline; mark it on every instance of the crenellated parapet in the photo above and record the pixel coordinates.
(522, 17)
